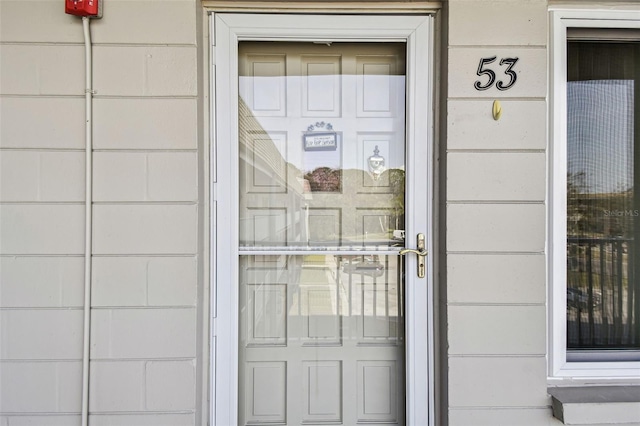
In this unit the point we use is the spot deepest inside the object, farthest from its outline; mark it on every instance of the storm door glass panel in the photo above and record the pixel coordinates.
(603, 202)
(321, 205)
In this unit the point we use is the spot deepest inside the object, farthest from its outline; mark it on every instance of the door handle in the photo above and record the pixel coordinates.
(421, 252)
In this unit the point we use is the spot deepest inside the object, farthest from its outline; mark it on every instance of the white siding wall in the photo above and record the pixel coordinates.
(496, 186)
(144, 319)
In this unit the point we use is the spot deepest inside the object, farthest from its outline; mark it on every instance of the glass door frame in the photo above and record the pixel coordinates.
(227, 30)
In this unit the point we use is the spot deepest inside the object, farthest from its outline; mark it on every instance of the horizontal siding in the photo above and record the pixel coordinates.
(149, 70)
(122, 23)
(145, 176)
(497, 330)
(504, 278)
(40, 387)
(503, 22)
(497, 382)
(150, 419)
(167, 124)
(144, 281)
(50, 176)
(145, 229)
(41, 281)
(134, 22)
(492, 227)
(47, 22)
(496, 176)
(41, 229)
(496, 189)
(145, 189)
(503, 416)
(45, 419)
(471, 127)
(139, 386)
(42, 123)
(47, 334)
(34, 69)
(143, 333)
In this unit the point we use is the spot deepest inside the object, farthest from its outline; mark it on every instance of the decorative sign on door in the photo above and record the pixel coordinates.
(320, 140)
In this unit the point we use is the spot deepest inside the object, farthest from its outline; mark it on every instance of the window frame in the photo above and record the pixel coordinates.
(559, 367)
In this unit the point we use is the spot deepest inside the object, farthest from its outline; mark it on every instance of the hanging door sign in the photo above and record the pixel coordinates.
(324, 140)
(320, 141)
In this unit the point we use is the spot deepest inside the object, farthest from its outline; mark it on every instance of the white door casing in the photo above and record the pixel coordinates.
(227, 31)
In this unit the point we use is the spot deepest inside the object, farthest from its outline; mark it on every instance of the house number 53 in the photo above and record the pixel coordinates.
(491, 75)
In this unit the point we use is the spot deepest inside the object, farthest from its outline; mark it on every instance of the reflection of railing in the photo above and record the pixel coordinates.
(603, 301)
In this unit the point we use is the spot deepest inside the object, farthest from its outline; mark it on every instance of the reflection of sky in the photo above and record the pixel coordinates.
(600, 134)
(328, 96)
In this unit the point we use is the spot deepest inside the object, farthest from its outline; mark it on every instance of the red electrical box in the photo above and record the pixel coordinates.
(91, 8)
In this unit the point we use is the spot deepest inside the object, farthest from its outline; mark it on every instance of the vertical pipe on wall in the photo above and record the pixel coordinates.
(88, 220)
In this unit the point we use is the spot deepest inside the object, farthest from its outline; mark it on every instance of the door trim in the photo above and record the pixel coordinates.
(241, 6)
(226, 31)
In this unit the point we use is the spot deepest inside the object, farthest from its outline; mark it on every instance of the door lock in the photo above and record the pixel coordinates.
(421, 252)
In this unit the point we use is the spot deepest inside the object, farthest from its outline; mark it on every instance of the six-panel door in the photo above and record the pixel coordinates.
(321, 202)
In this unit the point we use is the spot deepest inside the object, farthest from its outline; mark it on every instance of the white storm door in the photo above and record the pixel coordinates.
(322, 166)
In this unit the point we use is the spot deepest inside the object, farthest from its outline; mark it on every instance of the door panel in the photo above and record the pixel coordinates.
(330, 327)
(321, 88)
(321, 205)
(366, 123)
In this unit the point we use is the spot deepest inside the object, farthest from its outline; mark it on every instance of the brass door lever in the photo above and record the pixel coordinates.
(421, 252)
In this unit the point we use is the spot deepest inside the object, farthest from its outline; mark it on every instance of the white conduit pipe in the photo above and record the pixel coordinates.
(88, 94)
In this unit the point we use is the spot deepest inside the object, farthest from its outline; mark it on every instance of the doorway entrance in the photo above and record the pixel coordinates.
(322, 179)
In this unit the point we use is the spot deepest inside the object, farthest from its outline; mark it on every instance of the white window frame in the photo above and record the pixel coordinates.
(559, 368)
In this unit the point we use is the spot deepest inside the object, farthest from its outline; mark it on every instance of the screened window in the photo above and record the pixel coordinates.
(602, 199)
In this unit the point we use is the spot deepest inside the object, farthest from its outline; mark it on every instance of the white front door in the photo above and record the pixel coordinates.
(322, 166)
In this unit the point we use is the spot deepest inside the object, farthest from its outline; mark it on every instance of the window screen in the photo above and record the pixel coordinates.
(603, 197)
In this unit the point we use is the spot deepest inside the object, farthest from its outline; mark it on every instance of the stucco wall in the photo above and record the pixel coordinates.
(145, 241)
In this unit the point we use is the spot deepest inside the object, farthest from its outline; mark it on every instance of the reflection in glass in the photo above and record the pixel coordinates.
(344, 187)
(603, 291)
(322, 169)
(319, 309)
